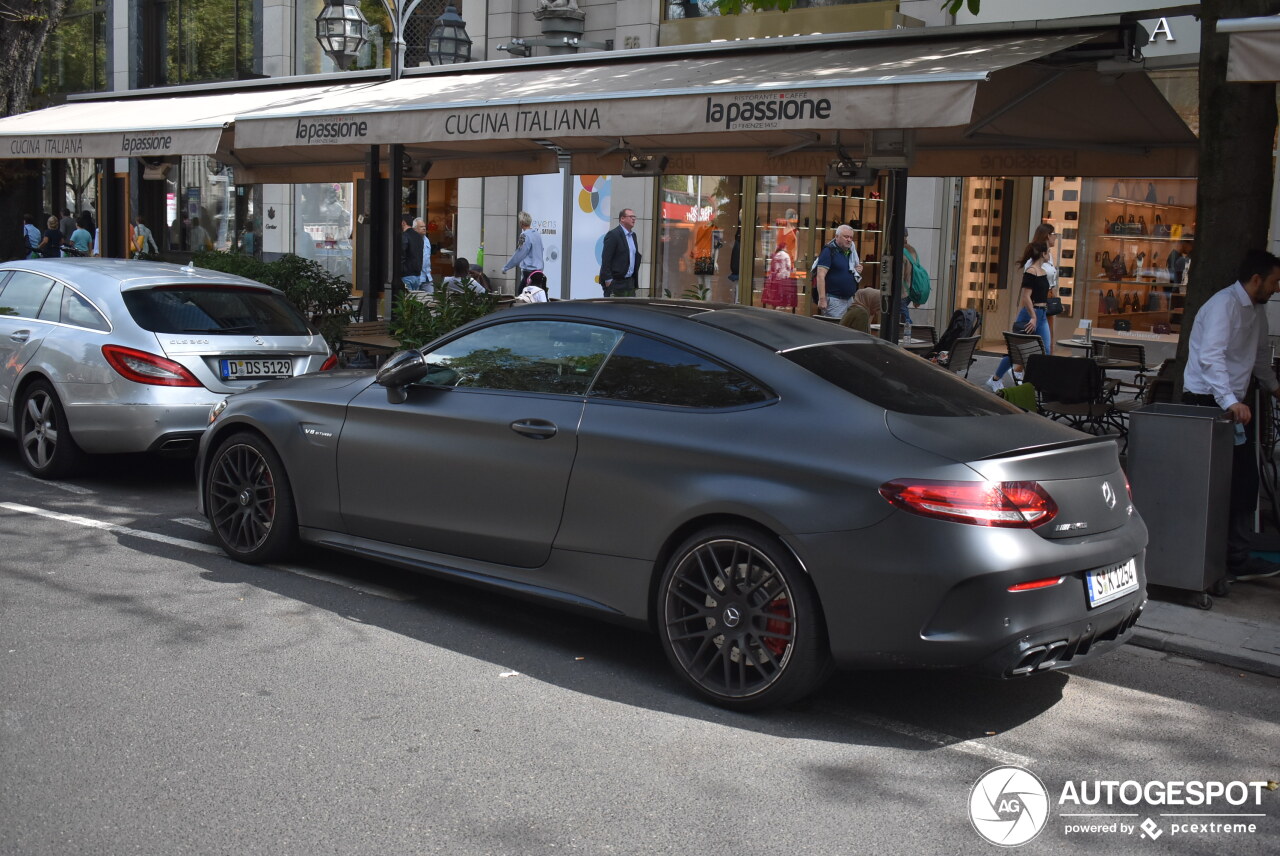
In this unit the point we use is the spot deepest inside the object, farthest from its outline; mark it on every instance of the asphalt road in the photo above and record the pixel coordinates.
(159, 698)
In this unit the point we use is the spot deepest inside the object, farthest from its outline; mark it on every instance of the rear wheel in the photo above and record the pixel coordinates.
(249, 500)
(47, 447)
(739, 619)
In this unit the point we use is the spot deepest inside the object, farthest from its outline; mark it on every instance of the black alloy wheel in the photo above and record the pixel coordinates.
(739, 619)
(48, 450)
(249, 501)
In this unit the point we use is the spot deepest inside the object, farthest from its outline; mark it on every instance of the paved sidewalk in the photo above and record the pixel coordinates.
(1241, 631)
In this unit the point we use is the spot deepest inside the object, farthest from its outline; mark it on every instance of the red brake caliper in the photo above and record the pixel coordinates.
(781, 607)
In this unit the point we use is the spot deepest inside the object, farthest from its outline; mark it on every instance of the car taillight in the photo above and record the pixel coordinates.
(1047, 582)
(330, 363)
(1016, 505)
(141, 367)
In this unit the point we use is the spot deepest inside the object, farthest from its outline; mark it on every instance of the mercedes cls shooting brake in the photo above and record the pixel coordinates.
(106, 355)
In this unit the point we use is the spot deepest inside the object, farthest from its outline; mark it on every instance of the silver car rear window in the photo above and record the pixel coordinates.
(226, 310)
(898, 381)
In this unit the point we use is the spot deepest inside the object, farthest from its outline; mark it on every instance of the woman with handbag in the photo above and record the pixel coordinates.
(1047, 235)
(144, 243)
(1033, 300)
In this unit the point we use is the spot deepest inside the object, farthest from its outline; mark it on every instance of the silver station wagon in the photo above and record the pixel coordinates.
(106, 356)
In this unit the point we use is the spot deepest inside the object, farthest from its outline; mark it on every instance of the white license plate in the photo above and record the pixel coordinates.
(236, 369)
(1107, 585)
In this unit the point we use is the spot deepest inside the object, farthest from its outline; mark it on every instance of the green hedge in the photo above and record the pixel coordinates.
(319, 295)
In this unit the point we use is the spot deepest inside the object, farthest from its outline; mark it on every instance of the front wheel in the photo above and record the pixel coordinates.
(739, 619)
(249, 501)
(44, 440)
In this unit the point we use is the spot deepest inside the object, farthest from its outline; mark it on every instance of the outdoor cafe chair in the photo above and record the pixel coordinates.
(1020, 347)
(1075, 390)
(960, 357)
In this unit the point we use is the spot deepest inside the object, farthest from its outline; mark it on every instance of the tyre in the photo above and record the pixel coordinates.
(44, 440)
(249, 501)
(739, 619)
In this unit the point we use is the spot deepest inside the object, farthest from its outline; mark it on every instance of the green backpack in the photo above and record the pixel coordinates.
(918, 289)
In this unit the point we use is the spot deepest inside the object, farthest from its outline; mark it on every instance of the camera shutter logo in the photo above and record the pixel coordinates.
(1008, 806)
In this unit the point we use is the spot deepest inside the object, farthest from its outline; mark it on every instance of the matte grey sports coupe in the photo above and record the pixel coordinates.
(773, 494)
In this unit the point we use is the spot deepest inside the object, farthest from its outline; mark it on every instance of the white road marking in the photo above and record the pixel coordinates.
(110, 527)
(364, 588)
(68, 487)
(937, 738)
(194, 523)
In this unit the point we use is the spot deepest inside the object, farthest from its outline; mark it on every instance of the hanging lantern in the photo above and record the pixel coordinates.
(448, 41)
(342, 30)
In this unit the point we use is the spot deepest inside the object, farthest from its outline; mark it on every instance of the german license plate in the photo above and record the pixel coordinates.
(237, 369)
(1110, 583)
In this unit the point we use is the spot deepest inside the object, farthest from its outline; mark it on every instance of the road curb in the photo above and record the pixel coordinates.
(1199, 649)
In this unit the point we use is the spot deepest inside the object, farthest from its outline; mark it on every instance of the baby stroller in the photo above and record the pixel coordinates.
(964, 323)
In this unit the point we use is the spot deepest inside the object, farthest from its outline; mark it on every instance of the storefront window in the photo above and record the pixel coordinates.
(980, 281)
(1135, 246)
(191, 41)
(699, 238)
(323, 225)
(200, 207)
(75, 58)
(677, 9)
(82, 187)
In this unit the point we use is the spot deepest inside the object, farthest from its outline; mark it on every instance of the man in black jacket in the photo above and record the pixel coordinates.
(410, 254)
(620, 260)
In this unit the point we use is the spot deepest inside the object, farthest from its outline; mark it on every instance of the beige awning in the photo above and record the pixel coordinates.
(1255, 48)
(768, 109)
(142, 127)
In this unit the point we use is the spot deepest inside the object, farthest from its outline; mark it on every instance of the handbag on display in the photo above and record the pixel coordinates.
(704, 266)
(1122, 325)
(1053, 306)
(1142, 225)
(1106, 260)
(1132, 227)
(1161, 329)
(1160, 230)
(1175, 231)
(1113, 308)
(1118, 269)
(1151, 191)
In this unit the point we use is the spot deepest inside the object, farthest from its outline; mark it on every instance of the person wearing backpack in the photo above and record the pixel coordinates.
(836, 274)
(915, 278)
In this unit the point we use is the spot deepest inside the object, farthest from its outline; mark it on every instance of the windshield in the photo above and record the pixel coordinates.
(897, 380)
(226, 310)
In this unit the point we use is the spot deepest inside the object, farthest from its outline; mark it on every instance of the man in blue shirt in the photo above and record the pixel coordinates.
(528, 254)
(31, 232)
(836, 279)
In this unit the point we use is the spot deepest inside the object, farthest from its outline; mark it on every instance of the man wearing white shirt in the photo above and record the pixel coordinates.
(420, 226)
(620, 259)
(1229, 345)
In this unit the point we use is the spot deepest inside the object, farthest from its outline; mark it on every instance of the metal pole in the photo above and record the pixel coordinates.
(566, 227)
(890, 327)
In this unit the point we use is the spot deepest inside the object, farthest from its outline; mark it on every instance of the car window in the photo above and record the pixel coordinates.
(897, 380)
(25, 292)
(78, 311)
(646, 370)
(215, 310)
(52, 308)
(559, 357)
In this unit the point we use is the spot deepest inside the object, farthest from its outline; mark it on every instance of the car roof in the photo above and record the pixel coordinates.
(777, 331)
(129, 274)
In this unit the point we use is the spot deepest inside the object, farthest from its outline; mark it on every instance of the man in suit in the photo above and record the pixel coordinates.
(620, 261)
(410, 254)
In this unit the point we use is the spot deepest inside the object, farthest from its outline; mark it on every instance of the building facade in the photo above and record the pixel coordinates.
(749, 238)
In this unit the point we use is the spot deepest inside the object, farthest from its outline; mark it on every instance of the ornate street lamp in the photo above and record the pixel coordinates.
(342, 30)
(448, 41)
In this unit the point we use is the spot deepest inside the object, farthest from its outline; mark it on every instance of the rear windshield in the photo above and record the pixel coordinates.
(226, 310)
(896, 380)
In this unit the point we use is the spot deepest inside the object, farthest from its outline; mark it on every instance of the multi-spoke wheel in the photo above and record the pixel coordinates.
(47, 447)
(249, 501)
(739, 620)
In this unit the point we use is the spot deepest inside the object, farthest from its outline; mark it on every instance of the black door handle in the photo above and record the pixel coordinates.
(538, 429)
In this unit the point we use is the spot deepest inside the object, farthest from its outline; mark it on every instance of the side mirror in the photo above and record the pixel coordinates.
(401, 369)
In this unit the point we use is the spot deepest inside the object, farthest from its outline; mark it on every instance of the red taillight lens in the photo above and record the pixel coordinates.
(1047, 582)
(1016, 505)
(330, 363)
(141, 367)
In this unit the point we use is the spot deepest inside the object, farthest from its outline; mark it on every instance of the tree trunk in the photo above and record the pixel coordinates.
(1237, 134)
(24, 29)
